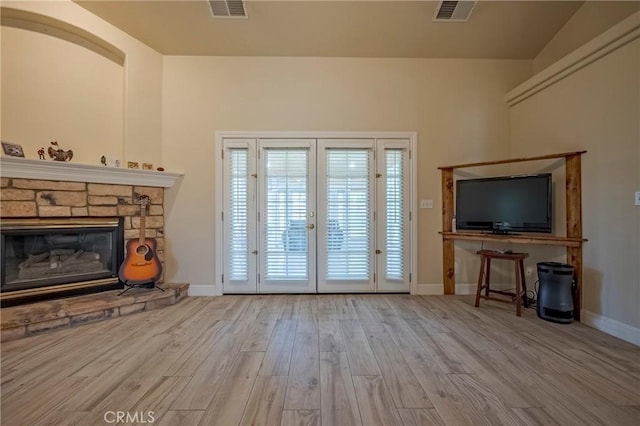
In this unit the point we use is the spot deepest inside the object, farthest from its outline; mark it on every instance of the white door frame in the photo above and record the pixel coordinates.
(292, 134)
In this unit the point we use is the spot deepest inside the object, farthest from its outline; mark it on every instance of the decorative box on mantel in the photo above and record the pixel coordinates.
(40, 190)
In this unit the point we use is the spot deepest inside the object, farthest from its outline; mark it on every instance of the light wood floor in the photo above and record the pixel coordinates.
(326, 359)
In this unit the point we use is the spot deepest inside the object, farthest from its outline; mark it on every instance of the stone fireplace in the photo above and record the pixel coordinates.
(68, 235)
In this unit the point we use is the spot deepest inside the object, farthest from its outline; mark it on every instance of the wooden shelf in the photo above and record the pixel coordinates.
(548, 240)
(513, 160)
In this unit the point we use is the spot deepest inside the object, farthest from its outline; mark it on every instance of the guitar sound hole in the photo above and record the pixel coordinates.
(142, 250)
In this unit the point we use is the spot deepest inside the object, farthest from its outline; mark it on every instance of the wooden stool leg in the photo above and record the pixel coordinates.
(524, 284)
(479, 289)
(518, 290)
(487, 277)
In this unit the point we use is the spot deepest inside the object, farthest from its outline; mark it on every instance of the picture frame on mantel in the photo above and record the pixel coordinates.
(12, 149)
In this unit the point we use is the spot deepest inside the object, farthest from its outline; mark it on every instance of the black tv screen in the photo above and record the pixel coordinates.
(505, 204)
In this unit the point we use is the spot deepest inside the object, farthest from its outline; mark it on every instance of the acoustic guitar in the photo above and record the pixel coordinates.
(141, 264)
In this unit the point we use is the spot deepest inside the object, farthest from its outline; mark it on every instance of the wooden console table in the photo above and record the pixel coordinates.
(572, 241)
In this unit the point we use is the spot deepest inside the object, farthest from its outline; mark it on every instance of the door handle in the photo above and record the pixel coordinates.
(311, 226)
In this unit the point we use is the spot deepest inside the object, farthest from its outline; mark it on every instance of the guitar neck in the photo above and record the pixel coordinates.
(141, 239)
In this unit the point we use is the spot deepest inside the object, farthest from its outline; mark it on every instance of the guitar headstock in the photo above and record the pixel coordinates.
(144, 200)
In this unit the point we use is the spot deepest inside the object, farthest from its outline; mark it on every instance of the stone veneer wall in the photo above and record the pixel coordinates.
(29, 198)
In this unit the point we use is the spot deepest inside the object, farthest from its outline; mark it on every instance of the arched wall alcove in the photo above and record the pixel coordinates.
(61, 83)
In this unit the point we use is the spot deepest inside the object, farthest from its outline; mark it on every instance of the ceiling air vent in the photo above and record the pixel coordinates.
(454, 11)
(228, 8)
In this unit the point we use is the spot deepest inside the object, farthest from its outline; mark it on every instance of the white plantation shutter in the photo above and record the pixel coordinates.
(394, 223)
(238, 216)
(346, 211)
(393, 219)
(286, 246)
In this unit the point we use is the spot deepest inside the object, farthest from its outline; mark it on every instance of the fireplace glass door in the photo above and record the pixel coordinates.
(42, 256)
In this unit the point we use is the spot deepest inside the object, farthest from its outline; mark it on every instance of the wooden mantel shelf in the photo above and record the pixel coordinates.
(24, 168)
(548, 240)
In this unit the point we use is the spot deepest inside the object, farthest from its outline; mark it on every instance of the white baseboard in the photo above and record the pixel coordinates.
(610, 326)
(429, 289)
(438, 289)
(466, 288)
(203, 290)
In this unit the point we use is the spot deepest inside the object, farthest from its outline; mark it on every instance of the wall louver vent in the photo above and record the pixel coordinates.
(454, 11)
(228, 8)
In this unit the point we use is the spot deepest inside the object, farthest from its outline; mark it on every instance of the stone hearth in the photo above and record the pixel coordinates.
(36, 318)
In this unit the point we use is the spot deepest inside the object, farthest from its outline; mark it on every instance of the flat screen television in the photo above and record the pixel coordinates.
(505, 204)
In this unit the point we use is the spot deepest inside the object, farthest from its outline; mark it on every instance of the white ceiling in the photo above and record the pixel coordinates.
(496, 30)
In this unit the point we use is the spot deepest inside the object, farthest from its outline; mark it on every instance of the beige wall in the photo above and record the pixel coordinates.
(597, 109)
(593, 18)
(139, 135)
(50, 92)
(456, 106)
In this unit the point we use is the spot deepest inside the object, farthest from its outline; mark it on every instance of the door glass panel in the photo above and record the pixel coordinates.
(286, 181)
(394, 225)
(238, 250)
(348, 204)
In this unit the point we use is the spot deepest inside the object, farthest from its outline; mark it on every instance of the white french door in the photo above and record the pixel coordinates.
(296, 225)
(239, 216)
(392, 224)
(346, 255)
(286, 216)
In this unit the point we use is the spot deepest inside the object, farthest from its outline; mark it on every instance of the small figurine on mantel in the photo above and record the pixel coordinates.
(59, 154)
(103, 160)
(41, 153)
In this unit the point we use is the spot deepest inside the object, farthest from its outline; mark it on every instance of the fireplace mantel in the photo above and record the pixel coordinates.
(17, 167)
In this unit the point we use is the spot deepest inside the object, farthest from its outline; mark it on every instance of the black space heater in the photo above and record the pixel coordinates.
(556, 284)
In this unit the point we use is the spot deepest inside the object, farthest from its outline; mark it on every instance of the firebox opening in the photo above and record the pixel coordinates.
(52, 258)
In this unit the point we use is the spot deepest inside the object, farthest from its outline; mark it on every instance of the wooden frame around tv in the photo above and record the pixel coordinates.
(572, 241)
